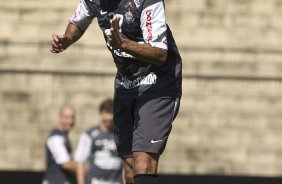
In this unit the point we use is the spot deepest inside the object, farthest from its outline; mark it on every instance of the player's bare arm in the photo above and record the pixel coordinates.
(144, 52)
(80, 173)
(60, 43)
(71, 166)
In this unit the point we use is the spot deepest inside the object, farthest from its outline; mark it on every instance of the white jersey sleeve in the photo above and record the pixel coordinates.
(56, 145)
(83, 16)
(83, 148)
(153, 25)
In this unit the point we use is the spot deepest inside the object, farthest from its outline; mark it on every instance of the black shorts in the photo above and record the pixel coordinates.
(143, 124)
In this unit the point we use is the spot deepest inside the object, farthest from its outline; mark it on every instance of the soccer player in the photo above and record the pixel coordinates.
(97, 147)
(148, 79)
(60, 168)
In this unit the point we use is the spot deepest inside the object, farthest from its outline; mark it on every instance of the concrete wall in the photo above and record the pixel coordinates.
(230, 118)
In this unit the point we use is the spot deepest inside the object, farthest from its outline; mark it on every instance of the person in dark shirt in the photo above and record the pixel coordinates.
(97, 148)
(60, 167)
(148, 79)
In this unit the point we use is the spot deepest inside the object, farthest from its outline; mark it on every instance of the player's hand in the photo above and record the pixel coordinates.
(59, 43)
(115, 37)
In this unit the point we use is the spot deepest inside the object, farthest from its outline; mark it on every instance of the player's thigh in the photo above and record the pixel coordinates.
(153, 123)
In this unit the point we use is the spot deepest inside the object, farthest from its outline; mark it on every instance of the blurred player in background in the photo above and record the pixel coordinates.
(148, 79)
(97, 148)
(60, 167)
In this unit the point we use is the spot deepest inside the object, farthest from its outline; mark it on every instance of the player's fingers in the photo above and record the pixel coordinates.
(111, 42)
(110, 36)
(55, 45)
(55, 38)
(110, 39)
(62, 38)
(112, 21)
(115, 23)
(54, 51)
(114, 33)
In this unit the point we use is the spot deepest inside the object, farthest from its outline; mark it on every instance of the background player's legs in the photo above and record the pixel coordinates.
(128, 170)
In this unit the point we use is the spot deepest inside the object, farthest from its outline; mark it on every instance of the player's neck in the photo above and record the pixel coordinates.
(104, 128)
(61, 128)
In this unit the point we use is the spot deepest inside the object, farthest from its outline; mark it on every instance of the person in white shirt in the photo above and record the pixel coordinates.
(60, 167)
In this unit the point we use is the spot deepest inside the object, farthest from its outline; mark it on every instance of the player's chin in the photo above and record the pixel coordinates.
(69, 128)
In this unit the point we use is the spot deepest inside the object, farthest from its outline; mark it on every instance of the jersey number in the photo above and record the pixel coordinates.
(107, 31)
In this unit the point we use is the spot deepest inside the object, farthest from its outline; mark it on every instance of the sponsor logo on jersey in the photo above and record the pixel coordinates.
(118, 52)
(149, 24)
(137, 3)
(129, 17)
(140, 81)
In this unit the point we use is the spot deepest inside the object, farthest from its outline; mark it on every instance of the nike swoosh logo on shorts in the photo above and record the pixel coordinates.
(103, 12)
(153, 142)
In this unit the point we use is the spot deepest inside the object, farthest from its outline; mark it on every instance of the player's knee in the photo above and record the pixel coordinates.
(144, 164)
(141, 167)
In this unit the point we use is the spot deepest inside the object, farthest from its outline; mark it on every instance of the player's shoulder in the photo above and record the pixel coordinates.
(92, 3)
(56, 132)
(56, 135)
(93, 132)
(146, 3)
